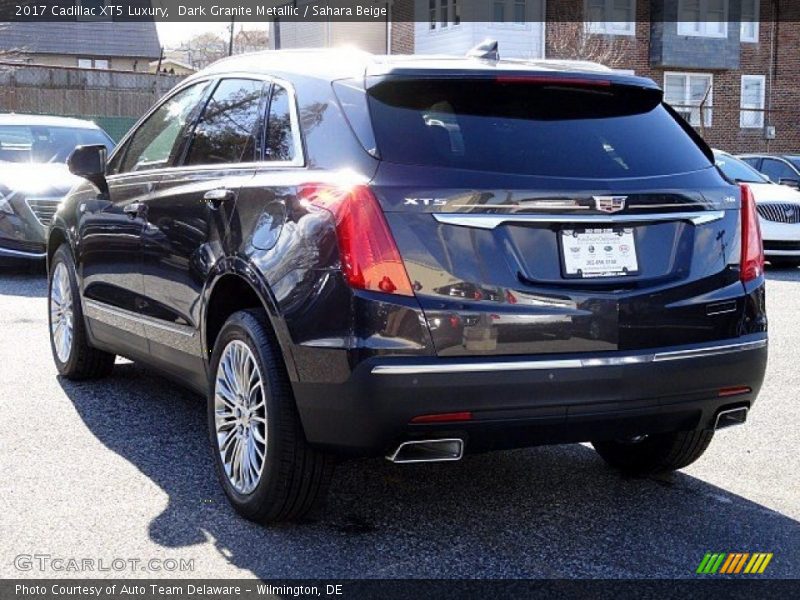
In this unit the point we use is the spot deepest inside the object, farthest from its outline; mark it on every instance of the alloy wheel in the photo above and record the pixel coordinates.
(240, 417)
(61, 313)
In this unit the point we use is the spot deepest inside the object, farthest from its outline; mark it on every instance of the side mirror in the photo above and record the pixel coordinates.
(89, 162)
(795, 183)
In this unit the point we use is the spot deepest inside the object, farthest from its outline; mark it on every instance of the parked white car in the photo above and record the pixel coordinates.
(778, 207)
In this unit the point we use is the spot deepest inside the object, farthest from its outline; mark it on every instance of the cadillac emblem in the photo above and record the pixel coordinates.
(609, 204)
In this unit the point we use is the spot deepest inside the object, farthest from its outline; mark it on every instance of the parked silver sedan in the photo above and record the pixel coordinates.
(34, 177)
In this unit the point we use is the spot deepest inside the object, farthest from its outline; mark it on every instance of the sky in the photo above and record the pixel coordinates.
(172, 34)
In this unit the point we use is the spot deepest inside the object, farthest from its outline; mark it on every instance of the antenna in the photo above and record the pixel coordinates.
(487, 50)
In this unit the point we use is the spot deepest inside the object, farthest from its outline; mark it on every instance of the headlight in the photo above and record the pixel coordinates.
(5, 205)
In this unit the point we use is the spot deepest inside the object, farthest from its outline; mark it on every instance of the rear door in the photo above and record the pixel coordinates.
(188, 215)
(555, 215)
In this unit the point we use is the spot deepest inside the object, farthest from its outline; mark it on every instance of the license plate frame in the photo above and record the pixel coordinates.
(576, 254)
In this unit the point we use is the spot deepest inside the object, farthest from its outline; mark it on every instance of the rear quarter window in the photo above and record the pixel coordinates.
(522, 127)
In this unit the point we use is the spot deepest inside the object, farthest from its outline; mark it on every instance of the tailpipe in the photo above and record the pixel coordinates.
(731, 417)
(418, 451)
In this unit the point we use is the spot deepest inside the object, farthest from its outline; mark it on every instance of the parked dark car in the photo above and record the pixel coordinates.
(34, 177)
(413, 257)
(780, 168)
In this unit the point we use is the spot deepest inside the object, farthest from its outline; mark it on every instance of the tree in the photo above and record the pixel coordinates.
(573, 40)
(250, 40)
(203, 49)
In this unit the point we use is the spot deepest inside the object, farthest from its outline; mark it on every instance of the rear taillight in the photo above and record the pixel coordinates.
(369, 256)
(752, 263)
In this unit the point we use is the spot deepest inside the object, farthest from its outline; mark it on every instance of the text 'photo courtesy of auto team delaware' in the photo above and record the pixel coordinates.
(470, 297)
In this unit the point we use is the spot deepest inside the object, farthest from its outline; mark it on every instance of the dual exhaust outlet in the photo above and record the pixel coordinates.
(451, 449)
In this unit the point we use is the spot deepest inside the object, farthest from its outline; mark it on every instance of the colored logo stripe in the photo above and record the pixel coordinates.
(733, 562)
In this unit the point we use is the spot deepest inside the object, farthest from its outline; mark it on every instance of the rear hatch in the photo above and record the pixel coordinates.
(550, 213)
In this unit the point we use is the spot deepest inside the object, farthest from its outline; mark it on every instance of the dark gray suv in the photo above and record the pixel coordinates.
(416, 258)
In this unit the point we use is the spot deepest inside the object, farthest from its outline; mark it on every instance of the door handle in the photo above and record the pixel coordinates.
(214, 198)
(135, 209)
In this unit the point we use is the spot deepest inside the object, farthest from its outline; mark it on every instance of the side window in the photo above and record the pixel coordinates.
(280, 141)
(776, 170)
(154, 144)
(227, 130)
(752, 161)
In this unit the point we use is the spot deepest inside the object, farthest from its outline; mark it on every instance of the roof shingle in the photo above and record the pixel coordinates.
(137, 39)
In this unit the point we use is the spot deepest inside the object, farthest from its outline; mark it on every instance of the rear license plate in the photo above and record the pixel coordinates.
(599, 253)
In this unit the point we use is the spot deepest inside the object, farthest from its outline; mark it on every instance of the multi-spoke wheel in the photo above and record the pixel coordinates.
(240, 416)
(61, 312)
(267, 469)
(73, 355)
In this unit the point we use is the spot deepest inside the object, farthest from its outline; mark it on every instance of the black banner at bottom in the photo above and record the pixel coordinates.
(390, 589)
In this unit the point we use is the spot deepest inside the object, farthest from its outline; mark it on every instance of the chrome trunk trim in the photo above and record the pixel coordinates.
(491, 221)
(570, 363)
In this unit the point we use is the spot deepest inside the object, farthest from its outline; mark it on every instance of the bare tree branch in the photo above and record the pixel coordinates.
(573, 40)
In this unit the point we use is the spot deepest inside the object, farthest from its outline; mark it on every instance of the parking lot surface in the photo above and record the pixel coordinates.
(120, 468)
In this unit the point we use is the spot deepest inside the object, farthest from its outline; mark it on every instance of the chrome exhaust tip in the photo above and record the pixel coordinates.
(731, 417)
(418, 451)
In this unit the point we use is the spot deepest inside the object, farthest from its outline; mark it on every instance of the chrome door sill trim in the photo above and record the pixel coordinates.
(184, 330)
(570, 363)
(21, 253)
(491, 221)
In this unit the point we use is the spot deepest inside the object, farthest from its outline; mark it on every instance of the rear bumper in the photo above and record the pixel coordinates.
(526, 401)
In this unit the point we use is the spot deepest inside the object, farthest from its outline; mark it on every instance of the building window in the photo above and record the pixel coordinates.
(704, 18)
(443, 14)
(611, 17)
(519, 12)
(752, 102)
(499, 11)
(686, 92)
(749, 23)
(93, 63)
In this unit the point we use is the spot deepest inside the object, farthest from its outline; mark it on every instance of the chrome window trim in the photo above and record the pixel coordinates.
(491, 221)
(184, 330)
(570, 363)
(294, 116)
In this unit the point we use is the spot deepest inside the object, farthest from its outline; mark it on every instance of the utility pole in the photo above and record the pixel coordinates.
(230, 40)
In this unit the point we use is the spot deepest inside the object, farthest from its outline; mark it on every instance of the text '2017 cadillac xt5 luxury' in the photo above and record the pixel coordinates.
(415, 258)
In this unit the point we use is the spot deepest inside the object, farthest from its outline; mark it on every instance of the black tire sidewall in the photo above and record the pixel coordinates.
(247, 329)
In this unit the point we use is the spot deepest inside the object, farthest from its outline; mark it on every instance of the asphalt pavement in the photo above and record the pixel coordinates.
(120, 469)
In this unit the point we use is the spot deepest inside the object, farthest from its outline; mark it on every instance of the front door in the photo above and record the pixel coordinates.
(187, 220)
(111, 227)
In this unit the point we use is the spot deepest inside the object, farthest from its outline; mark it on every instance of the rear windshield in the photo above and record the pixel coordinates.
(518, 126)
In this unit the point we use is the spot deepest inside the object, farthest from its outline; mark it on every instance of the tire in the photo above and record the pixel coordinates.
(293, 478)
(76, 359)
(786, 262)
(655, 453)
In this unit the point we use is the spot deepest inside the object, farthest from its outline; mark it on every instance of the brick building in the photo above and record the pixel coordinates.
(732, 67)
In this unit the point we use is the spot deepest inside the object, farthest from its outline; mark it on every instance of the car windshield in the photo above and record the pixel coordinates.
(737, 170)
(45, 144)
